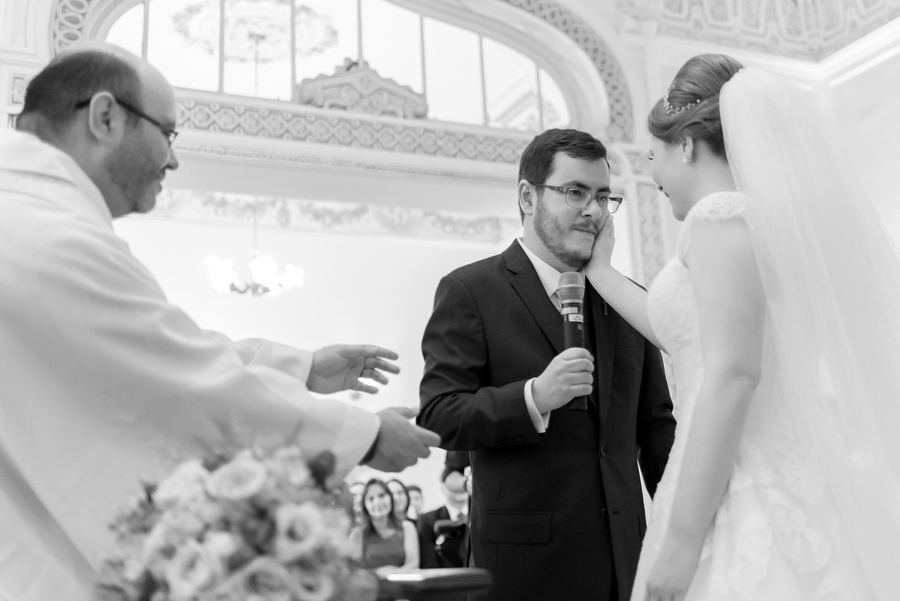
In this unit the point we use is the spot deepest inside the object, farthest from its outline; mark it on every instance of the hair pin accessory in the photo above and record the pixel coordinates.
(671, 110)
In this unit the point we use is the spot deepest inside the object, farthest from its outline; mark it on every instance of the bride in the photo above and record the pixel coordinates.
(779, 312)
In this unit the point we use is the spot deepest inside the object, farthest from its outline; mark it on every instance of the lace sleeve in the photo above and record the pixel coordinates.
(720, 206)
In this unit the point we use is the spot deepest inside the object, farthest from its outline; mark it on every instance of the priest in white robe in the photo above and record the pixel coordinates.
(104, 382)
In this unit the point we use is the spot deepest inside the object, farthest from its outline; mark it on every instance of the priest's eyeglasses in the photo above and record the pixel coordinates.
(579, 198)
(169, 133)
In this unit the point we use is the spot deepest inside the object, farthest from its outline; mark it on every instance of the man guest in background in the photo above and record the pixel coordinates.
(104, 381)
(416, 500)
(443, 538)
(557, 509)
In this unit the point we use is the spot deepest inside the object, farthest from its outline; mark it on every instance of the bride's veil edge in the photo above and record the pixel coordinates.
(832, 281)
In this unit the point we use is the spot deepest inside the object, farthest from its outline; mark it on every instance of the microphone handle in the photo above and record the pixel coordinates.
(573, 337)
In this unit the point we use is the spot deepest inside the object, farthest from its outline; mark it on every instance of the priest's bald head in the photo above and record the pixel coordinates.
(113, 113)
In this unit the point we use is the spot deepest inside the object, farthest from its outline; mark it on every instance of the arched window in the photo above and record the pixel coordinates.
(265, 48)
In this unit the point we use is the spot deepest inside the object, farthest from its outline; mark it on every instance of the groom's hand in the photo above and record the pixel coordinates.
(569, 375)
(399, 443)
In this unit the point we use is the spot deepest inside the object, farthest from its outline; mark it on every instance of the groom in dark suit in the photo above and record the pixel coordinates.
(557, 509)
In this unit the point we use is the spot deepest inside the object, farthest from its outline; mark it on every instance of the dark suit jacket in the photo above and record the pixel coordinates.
(453, 551)
(557, 515)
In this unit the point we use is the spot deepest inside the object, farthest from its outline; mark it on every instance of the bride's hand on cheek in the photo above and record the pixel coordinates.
(603, 245)
(673, 571)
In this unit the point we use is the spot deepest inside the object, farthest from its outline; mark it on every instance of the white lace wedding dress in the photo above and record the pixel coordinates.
(774, 536)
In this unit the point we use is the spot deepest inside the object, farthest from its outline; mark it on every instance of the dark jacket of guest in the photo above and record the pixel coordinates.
(453, 548)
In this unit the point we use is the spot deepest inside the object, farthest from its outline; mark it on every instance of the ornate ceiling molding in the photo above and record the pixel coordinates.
(67, 22)
(804, 29)
(311, 157)
(354, 130)
(357, 88)
(621, 125)
(71, 17)
(329, 216)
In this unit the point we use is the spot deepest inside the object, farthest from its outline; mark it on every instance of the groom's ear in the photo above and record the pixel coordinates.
(527, 195)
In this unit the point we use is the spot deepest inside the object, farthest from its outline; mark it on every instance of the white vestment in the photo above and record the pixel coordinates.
(104, 382)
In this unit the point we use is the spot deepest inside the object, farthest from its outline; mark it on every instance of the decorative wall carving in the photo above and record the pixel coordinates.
(357, 88)
(243, 152)
(621, 126)
(328, 216)
(637, 159)
(17, 85)
(69, 16)
(652, 248)
(295, 124)
(809, 30)
(67, 22)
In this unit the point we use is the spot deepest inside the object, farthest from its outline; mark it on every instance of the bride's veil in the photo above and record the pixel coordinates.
(832, 280)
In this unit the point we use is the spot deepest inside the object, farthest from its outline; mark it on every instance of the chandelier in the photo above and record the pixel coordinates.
(265, 278)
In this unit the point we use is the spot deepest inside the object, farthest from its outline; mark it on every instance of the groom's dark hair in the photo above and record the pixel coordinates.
(537, 158)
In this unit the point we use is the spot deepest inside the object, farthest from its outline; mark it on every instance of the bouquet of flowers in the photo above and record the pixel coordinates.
(253, 526)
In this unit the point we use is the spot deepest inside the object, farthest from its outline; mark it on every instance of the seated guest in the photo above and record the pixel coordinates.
(385, 543)
(105, 381)
(415, 502)
(356, 489)
(443, 532)
(401, 500)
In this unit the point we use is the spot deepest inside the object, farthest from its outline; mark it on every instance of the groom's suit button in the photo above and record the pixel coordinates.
(603, 512)
(603, 453)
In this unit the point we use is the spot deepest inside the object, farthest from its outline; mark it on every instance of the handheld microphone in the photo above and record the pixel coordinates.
(571, 302)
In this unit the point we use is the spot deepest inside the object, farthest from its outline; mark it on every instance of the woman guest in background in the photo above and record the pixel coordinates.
(401, 500)
(385, 543)
(779, 312)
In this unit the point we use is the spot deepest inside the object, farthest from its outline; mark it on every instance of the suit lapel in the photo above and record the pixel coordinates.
(524, 279)
(603, 329)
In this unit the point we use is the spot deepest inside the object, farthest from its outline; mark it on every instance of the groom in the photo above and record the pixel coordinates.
(557, 510)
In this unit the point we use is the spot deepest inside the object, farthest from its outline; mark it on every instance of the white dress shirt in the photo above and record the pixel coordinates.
(104, 382)
(458, 514)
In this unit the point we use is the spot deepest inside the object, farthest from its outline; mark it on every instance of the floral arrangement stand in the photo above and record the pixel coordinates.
(254, 525)
(433, 585)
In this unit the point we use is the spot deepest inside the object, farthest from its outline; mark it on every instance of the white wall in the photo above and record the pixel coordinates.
(868, 115)
(368, 289)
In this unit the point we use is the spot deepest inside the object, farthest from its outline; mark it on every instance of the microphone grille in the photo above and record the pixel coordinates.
(571, 287)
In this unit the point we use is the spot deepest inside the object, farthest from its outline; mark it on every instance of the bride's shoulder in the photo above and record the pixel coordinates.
(720, 206)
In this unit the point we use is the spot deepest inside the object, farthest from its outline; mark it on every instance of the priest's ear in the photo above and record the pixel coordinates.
(527, 198)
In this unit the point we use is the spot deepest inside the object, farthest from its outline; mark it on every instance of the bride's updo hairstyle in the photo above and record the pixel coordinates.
(690, 106)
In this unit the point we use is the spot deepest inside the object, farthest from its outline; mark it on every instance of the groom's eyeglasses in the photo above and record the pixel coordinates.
(578, 198)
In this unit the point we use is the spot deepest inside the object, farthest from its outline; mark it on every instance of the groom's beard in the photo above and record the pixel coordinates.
(554, 236)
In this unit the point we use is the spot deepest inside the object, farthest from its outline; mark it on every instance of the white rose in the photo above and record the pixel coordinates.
(265, 578)
(313, 585)
(186, 483)
(162, 541)
(238, 480)
(221, 544)
(299, 530)
(192, 570)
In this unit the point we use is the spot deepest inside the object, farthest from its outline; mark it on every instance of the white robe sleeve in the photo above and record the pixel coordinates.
(106, 383)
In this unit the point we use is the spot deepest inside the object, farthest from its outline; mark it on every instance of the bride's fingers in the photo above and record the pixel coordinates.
(609, 227)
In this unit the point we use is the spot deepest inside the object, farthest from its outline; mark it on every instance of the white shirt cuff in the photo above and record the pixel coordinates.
(541, 421)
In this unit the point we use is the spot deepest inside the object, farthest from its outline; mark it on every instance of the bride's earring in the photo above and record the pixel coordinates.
(686, 159)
